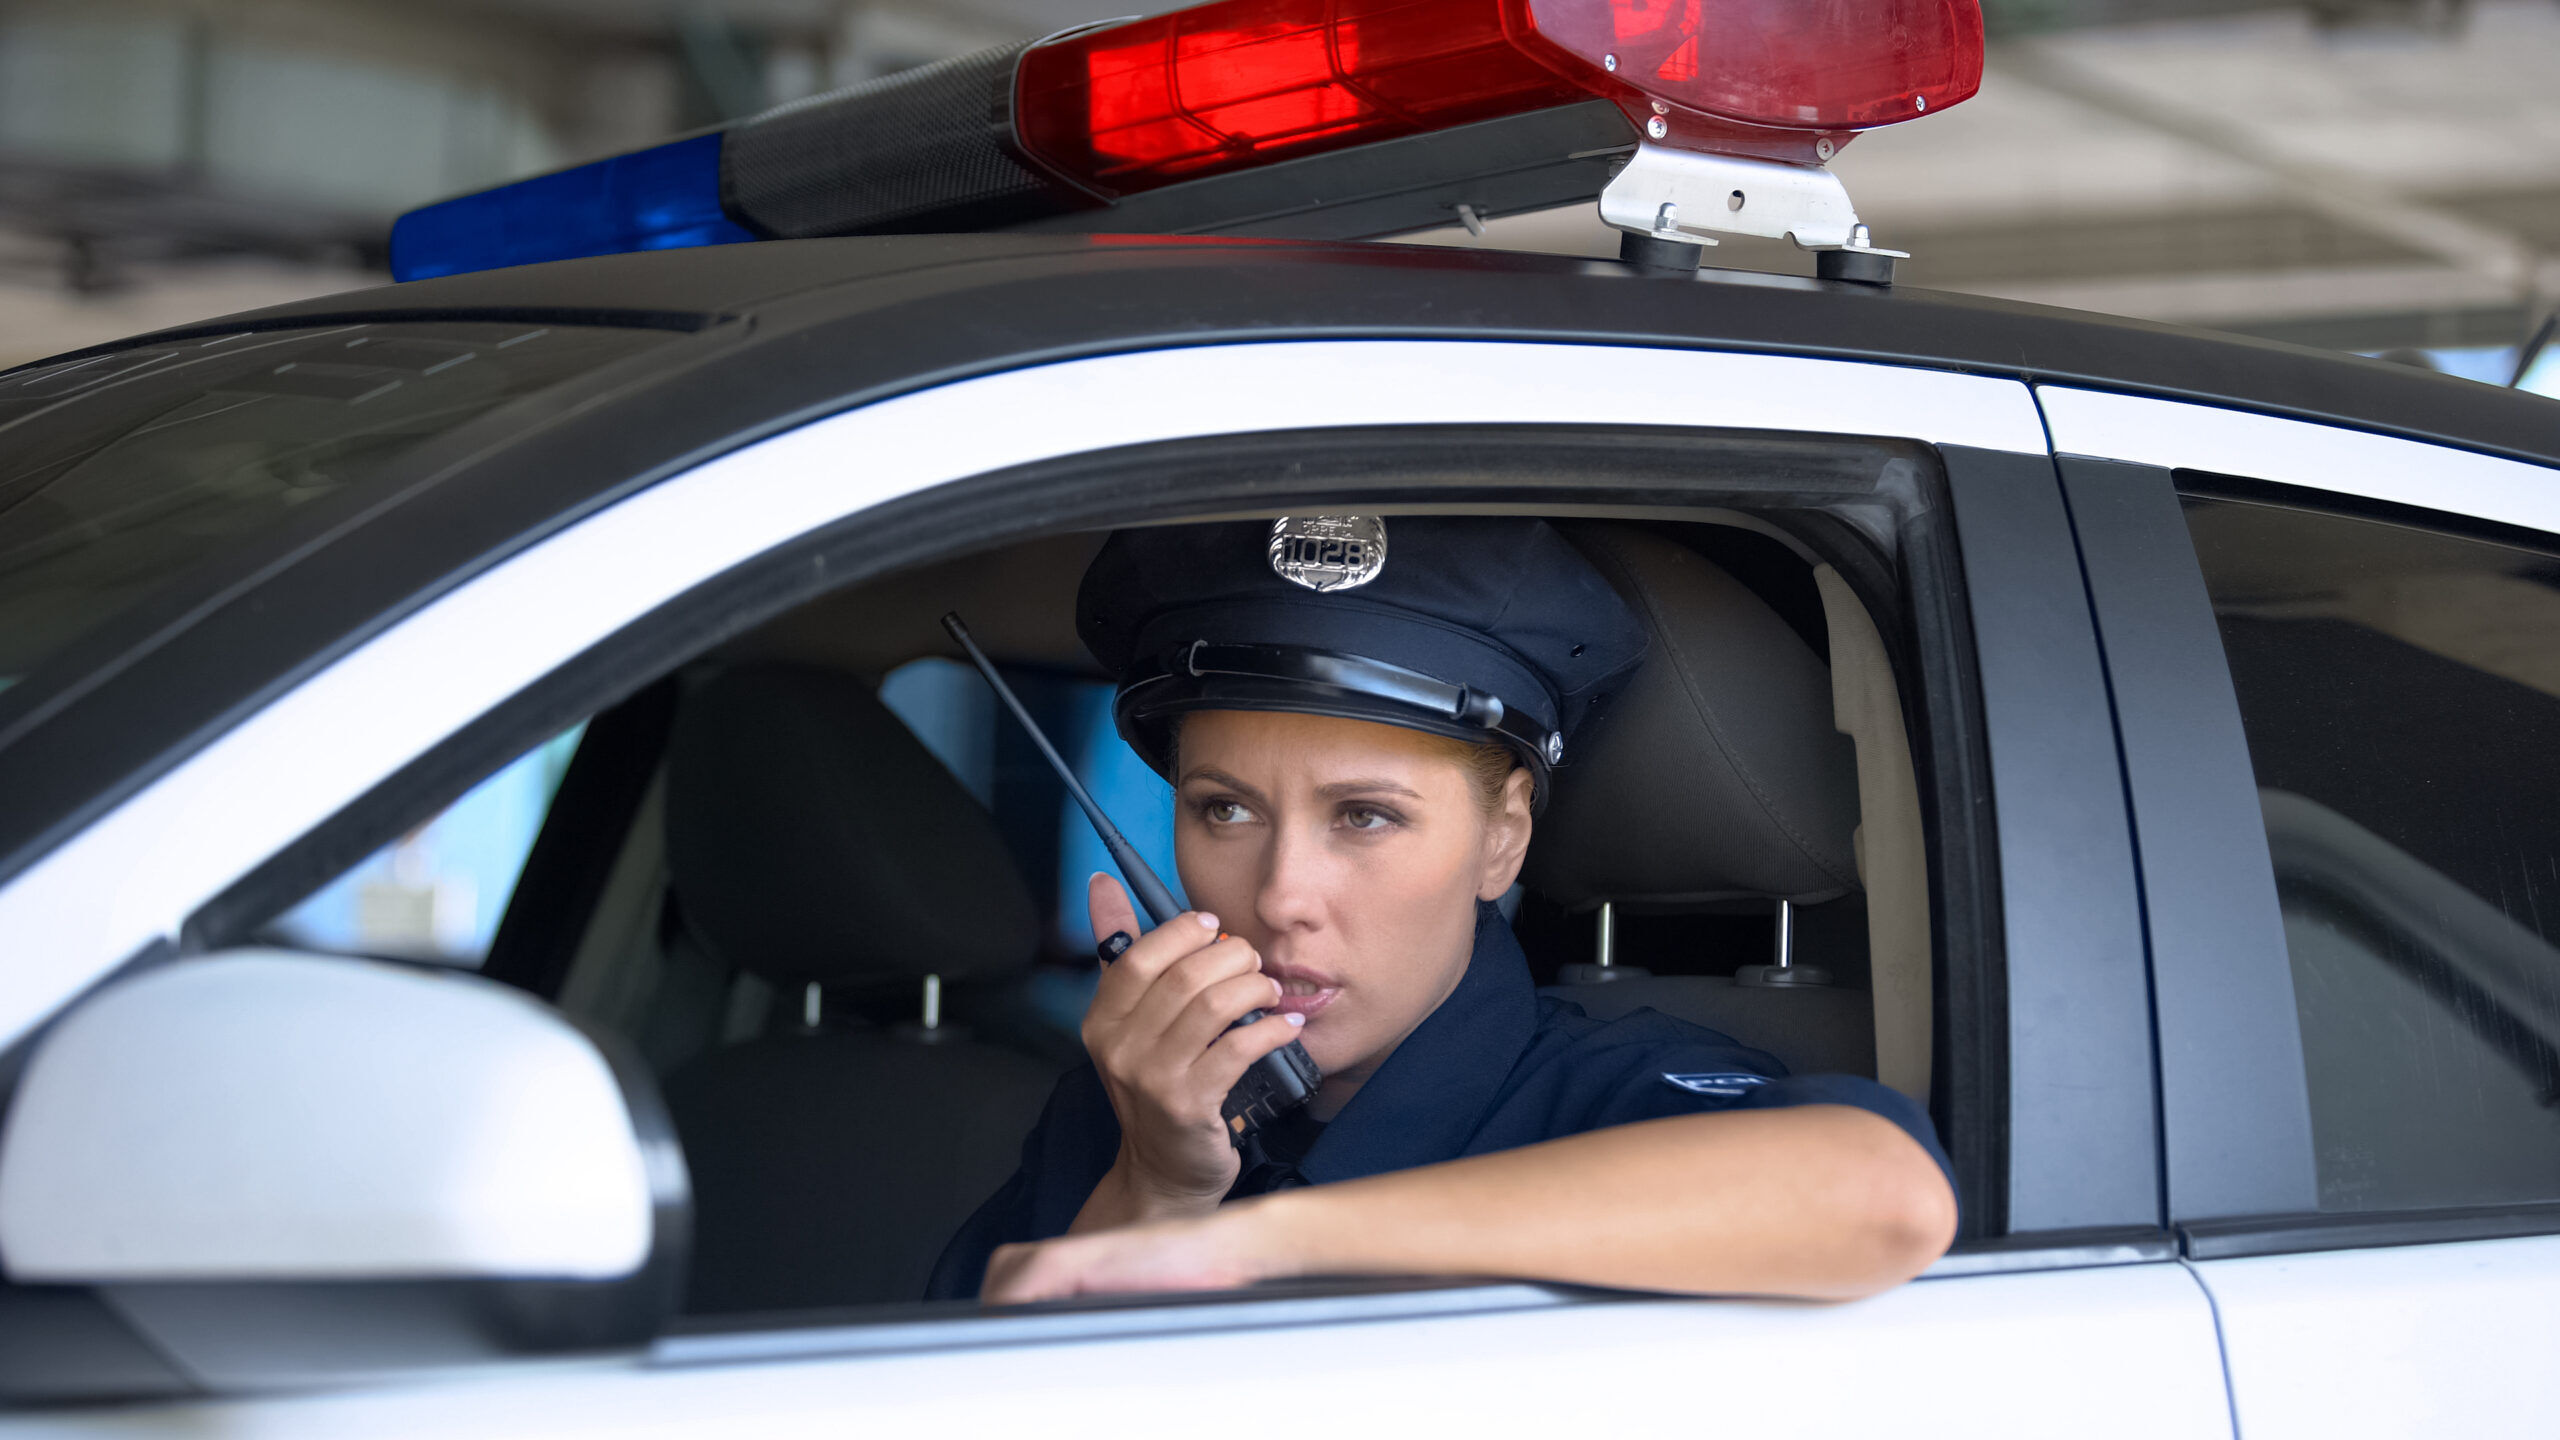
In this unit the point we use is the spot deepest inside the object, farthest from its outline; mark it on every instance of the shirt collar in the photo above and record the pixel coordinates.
(1432, 1095)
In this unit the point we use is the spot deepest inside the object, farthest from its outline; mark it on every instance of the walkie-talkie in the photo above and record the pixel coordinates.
(1273, 1085)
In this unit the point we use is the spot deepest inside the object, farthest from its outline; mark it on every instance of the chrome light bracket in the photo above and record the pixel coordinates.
(1685, 196)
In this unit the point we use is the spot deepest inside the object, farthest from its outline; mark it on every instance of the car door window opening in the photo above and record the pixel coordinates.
(679, 1010)
(729, 1035)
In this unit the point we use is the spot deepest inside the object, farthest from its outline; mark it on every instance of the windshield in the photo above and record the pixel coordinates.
(119, 471)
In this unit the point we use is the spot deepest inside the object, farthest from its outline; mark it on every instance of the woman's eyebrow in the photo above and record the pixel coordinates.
(1341, 788)
(1221, 777)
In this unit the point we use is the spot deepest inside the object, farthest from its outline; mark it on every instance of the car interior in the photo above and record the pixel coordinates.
(834, 901)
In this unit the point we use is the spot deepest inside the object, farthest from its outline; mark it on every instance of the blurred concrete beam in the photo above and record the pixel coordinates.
(2353, 198)
(881, 37)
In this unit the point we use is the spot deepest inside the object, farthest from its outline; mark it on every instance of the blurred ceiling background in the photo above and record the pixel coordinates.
(2363, 174)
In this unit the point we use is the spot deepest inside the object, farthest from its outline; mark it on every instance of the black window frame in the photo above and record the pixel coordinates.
(2084, 1134)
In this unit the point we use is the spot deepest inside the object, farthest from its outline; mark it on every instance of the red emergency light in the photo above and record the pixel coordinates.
(1241, 83)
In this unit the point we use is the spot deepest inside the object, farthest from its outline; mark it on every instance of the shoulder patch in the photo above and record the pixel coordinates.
(1719, 1082)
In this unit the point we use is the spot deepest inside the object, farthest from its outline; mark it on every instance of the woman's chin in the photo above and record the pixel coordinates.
(1332, 1048)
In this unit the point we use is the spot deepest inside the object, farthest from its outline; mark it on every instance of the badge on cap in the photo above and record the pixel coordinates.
(1328, 552)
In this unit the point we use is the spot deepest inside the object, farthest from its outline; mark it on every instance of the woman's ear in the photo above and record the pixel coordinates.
(1507, 837)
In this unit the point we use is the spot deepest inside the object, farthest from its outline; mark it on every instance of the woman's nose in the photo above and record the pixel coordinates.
(1293, 881)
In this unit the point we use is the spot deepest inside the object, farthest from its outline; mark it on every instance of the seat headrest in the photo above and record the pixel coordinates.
(810, 836)
(1716, 774)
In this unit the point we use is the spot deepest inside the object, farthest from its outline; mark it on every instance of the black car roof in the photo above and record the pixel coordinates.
(1731, 309)
(784, 331)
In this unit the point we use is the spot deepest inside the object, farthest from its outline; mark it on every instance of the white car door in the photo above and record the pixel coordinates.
(2074, 1316)
(2337, 659)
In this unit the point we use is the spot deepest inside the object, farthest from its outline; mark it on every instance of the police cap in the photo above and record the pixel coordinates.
(1477, 628)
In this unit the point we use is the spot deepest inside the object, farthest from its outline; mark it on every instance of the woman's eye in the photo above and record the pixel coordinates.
(1225, 812)
(1361, 817)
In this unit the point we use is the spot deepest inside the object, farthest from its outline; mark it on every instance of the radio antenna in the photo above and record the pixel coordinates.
(1152, 897)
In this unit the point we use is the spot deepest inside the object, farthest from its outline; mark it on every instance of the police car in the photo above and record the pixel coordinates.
(2139, 745)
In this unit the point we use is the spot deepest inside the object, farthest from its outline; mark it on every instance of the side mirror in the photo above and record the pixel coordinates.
(285, 1169)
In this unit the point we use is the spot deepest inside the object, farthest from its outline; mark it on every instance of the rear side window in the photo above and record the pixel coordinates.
(2401, 692)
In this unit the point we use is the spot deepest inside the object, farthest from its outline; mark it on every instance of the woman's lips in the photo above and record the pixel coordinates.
(1303, 996)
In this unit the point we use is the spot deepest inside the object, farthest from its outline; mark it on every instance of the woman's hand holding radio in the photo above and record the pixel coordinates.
(1158, 1033)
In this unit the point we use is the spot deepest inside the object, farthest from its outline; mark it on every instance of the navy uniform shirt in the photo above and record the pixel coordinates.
(1495, 1067)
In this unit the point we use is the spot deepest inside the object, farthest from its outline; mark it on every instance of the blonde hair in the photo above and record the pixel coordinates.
(1488, 764)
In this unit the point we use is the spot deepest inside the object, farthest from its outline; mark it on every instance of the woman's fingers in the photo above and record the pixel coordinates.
(1209, 1253)
(1015, 1275)
(1150, 1027)
(1224, 1063)
(1126, 981)
(1184, 981)
(1157, 1050)
(1214, 1008)
(1108, 904)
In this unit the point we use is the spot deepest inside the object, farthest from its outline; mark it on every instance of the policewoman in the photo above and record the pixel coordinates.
(1360, 719)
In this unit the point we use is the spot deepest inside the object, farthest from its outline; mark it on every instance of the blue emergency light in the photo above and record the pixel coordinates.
(662, 198)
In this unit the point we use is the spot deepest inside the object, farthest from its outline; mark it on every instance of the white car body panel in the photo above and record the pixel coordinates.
(2330, 458)
(2116, 1351)
(2459, 1339)
(136, 874)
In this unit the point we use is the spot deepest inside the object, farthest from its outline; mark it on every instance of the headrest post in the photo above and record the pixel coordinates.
(1603, 966)
(933, 1002)
(1784, 971)
(813, 1005)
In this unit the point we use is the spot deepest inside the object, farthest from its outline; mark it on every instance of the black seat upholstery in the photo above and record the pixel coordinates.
(811, 838)
(1717, 777)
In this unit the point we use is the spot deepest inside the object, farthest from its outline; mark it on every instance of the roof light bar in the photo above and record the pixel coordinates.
(1075, 122)
(1240, 83)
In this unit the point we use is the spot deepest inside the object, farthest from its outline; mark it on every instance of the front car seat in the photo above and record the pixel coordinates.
(811, 839)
